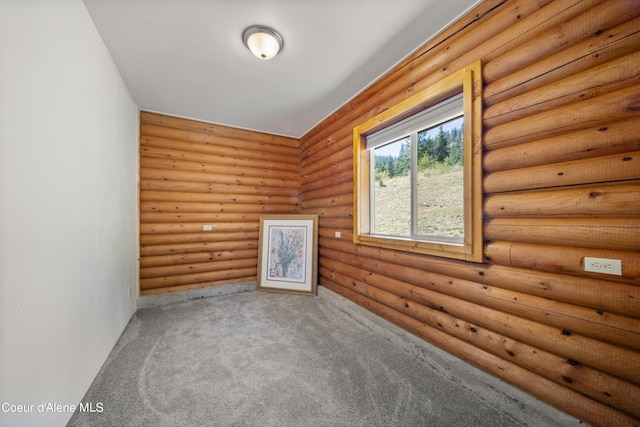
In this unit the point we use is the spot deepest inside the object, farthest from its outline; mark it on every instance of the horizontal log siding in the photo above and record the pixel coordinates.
(194, 174)
(561, 181)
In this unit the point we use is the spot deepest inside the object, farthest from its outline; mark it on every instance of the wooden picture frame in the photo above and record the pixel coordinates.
(288, 253)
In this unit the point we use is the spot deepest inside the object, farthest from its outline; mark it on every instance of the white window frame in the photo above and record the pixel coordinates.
(410, 127)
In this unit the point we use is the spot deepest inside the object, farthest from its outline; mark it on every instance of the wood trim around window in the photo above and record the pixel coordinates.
(469, 82)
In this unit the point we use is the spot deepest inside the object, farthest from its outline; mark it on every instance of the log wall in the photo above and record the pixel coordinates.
(195, 174)
(561, 181)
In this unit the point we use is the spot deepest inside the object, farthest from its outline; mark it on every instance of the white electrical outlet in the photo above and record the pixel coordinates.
(207, 227)
(603, 265)
(338, 234)
(129, 291)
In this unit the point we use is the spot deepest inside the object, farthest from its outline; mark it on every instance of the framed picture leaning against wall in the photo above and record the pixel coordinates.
(288, 254)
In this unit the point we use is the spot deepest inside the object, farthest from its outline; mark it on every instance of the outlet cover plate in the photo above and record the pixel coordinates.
(603, 265)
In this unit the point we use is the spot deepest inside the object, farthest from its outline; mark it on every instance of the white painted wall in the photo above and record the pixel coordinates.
(68, 206)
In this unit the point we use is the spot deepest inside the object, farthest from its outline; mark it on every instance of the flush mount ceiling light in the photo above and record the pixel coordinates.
(263, 42)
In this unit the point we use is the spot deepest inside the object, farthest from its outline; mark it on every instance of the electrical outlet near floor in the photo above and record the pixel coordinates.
(129, 291)
(603, 265)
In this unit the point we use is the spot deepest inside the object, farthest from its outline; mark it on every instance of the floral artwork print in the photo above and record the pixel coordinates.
(286, 253)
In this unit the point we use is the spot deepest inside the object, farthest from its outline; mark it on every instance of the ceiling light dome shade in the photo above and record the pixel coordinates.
(263, 42)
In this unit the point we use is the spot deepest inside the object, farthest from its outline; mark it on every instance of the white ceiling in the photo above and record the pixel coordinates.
(186, 57)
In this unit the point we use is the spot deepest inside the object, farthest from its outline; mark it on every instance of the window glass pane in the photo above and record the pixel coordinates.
(440, 178)
(391, 184)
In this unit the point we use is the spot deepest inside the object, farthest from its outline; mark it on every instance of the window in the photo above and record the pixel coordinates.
(418, 172)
